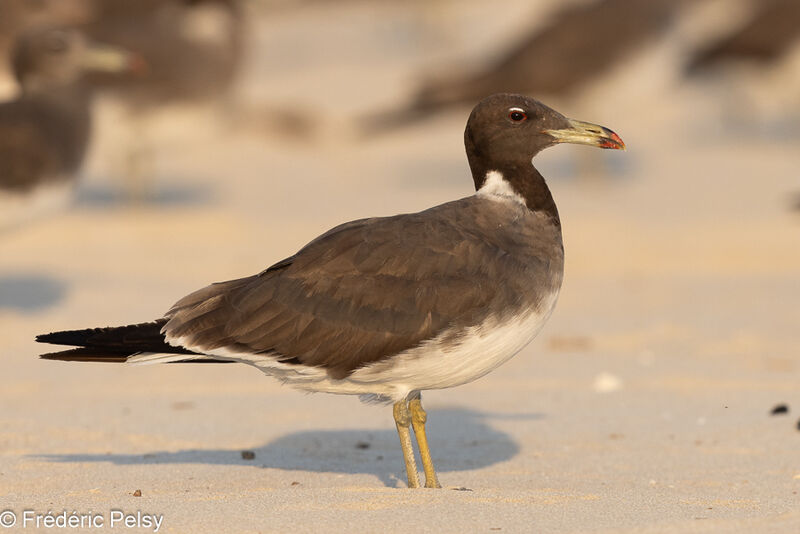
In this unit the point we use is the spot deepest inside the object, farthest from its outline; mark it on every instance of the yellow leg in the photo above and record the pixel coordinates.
(418, 419)
(403, 421)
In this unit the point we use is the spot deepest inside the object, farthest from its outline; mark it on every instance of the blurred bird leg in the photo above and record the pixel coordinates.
(139, 160)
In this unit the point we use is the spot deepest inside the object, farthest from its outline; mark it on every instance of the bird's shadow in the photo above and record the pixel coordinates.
(30, 293)
(460, 439)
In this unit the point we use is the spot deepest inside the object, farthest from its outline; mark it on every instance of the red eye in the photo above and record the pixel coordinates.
(517, 115)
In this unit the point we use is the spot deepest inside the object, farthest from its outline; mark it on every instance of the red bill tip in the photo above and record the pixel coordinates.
(615, 142)
(137, 65)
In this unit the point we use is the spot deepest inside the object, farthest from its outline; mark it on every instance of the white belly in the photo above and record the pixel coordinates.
(436, 364)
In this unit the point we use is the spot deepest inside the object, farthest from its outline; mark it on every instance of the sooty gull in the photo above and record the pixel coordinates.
(388, 307)
(45, 130)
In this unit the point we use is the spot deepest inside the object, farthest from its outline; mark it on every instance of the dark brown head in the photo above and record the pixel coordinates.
(505, 131)
(45, 58)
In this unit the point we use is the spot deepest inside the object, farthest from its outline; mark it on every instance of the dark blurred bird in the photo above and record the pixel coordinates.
(44, 132)
(387, 307)
(772, 30)
(579, 44)
(753, 72)
(193, 48)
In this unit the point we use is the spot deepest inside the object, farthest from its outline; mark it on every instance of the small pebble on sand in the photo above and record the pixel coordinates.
(779, 409)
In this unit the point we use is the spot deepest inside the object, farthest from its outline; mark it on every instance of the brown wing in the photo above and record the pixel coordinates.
(362, 292)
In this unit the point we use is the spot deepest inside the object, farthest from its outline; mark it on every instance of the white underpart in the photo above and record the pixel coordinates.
(435, 364)
(20, 208)
(148, 358)
(496, 187)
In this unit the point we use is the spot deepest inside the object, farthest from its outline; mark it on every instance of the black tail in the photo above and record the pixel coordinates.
(110, 344)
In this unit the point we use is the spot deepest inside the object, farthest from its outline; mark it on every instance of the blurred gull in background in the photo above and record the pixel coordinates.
(44, 131)
(765, 37)
(580, 43)
(757, 68)
(193, 50)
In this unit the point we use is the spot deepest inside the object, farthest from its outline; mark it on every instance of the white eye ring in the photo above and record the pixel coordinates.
(517, 114)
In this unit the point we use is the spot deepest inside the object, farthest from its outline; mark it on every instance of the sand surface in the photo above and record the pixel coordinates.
(643, 406)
